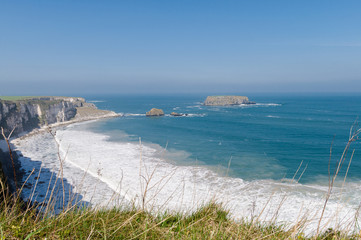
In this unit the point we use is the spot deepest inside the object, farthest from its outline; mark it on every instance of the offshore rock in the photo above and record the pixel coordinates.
(226, 100)
(155, 112)
(174, 114)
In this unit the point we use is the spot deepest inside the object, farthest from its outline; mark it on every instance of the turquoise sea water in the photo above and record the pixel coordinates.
(268, 140)
(241, 156)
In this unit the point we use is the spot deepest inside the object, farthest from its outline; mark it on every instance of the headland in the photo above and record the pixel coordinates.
(25, 116)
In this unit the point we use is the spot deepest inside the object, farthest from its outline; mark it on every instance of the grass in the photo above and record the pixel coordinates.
(26, 98)
(18, 98)
(22, 220)
(209, 222)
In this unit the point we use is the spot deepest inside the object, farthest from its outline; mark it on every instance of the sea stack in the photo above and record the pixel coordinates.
(226, 100)
(155, 112)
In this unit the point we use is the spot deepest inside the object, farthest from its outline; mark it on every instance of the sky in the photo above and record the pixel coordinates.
(186, 46)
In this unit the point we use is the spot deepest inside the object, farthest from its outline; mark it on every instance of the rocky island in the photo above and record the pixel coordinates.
(155, 112)
(226, 100)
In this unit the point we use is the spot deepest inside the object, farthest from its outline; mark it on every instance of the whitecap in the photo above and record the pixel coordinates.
(268, 104)
(134, 115)
(272, 116)
(195, 106)
(196, 115)
(97, 101)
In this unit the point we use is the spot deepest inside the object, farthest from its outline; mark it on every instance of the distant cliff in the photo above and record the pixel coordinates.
(25, 114)
(226, 100)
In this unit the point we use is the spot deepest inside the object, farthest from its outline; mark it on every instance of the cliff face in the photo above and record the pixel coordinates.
(226, 100)
(25, 115)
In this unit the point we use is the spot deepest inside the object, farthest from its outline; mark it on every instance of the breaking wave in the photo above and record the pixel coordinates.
(120, 167)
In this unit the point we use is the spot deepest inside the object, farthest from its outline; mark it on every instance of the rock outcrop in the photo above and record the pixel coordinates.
(226, 100)
(174, 114)
(30, 113)
(154, 112)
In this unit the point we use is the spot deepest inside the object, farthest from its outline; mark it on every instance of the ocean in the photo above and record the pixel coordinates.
(268, 140)
(270, 159)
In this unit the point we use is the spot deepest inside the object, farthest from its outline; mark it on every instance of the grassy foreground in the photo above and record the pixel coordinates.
(210, 222)
(19, 220)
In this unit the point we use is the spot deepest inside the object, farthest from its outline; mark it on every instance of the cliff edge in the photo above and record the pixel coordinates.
(226, 100)
(27, 113)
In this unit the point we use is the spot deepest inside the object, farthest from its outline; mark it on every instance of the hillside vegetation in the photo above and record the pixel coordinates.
(18, 220)
(18, 98)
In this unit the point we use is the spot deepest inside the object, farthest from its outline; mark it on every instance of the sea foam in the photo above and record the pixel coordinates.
(100, 169)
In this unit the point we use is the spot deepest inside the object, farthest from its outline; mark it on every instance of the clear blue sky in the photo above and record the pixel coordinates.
(64, 47)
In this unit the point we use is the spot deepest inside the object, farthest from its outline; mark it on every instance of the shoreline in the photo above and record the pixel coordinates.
(198, 183)
(76, 119)
(261, 189)
(14, 141)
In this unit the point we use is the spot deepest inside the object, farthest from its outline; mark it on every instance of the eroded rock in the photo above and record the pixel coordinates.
(155, 112)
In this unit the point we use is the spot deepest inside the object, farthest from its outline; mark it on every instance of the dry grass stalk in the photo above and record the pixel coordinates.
(6, 138)
(105, 226)
(61, 161)
(353, 136)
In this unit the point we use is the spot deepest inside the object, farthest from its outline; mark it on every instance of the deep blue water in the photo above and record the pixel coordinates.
(263, 141)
